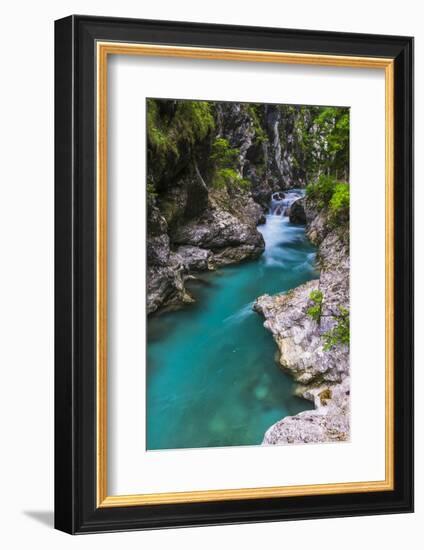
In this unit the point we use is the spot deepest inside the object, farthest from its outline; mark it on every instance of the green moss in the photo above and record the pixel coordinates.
(319, 144)
(158, 135)
(314, 311)
(339, 204)
(171, 123)
(194, 120)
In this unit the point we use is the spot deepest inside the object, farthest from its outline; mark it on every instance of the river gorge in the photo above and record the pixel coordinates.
(247, 274)
(212, 374)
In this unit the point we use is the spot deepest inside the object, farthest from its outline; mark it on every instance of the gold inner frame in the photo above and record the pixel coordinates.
(103, 50)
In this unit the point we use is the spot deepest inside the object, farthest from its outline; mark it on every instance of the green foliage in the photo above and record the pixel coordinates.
(227, 178)
(316, 140)
(194, 120)
(326, 192)
(225, 160)
(171, 123)
(314, 311)
(339, 204)
(321, 139)
(158, 135)
(321, 191)
(223, 155)
(340, 333)
(333, 124)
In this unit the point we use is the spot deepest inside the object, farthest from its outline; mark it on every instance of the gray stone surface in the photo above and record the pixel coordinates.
(322, 375)
(296, 212)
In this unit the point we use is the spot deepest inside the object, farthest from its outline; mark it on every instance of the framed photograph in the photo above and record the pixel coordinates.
(234, 294)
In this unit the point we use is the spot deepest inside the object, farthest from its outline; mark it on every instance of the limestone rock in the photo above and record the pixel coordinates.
(218, 230)
(322, 375)
(299, 337)
(317, 229)
(194, 258)
(165, 285)
(297, 212)
(328, 422)
(165, 271)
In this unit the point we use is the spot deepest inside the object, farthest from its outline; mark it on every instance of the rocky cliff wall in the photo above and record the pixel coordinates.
(195, 224)
(211, 171)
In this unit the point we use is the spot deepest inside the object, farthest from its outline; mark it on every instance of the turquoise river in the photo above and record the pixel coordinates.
(212, 376)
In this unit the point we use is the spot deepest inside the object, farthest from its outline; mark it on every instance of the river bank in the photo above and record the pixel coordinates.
(320, 370)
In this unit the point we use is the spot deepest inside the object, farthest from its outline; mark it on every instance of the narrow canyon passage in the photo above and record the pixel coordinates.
(212, 379)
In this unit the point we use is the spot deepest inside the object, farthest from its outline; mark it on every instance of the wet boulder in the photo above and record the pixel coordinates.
(296, 212)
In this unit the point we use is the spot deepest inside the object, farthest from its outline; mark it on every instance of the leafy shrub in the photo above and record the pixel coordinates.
(321, 190)
(314, 311)
(340, 333)
(339, 204)
(333, 125)
(223, 154)
(225, 160)
(321, 139)
(326, 192)
(227, 177)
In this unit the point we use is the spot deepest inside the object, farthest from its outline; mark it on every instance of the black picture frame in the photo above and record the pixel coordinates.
(76, 510)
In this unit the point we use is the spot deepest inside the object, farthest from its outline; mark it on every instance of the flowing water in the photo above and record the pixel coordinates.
(212, 378)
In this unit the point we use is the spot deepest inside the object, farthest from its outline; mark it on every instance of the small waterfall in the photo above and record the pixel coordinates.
(282, 200)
